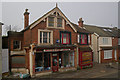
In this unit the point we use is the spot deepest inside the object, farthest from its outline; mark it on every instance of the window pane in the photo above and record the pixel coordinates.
(44, 37)
(51, 21)
(18, 60)
(64, 38)
(16, 44)
(40, 37)
(49, 37)
(105, 40)
(107, 54)
(59, 22)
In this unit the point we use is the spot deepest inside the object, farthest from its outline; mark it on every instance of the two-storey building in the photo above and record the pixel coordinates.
(104, 43)
(51, 43)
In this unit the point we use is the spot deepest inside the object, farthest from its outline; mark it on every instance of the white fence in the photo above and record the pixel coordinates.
(5, 61)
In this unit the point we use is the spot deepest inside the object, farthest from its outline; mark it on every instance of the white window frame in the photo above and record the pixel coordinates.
(107, 54)
(55, 22)
(51, 37)
(103, 41)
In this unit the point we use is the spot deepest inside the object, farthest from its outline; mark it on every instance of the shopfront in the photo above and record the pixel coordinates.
(54, 59)
(85, 57)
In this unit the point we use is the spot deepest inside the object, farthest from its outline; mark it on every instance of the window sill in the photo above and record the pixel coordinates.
(55, 27)
(108, 59)
(16, 49)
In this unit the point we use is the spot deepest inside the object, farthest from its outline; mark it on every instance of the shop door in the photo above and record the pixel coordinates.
(54, 63)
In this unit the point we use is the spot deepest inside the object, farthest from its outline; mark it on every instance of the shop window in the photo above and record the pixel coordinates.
(71, 59)
(66, 60)
(60, 59)
(45, 37)
(42, 62)
(83, 38)
(16, 44)
(51, 21)
(107, 54)
(47, 61)
(65, 38)
(18, 61)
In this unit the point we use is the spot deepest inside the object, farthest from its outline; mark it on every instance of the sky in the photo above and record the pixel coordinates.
(104, 14)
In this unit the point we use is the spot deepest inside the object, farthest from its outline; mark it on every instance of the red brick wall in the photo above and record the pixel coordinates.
(32, 35)
(114, 41)
(11, 39)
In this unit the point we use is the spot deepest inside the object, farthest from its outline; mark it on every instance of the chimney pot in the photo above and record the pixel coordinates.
(80, 22)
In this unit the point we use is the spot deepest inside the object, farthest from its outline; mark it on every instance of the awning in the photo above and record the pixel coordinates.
(85, 48)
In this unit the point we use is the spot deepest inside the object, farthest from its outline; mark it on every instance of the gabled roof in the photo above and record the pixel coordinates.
(103, 31)
(80, 30)
(46, 15)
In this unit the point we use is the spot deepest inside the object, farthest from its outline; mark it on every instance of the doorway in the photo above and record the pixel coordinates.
(55, 62)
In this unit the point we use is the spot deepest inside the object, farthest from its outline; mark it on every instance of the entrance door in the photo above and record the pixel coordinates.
(54, 63)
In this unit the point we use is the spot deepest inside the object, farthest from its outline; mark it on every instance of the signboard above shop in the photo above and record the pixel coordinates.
(55, 50)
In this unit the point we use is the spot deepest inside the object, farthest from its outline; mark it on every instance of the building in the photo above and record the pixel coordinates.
(51, 43)
(104, 43)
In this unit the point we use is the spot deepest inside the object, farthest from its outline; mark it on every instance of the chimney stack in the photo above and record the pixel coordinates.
(80, 22)
(26, 18)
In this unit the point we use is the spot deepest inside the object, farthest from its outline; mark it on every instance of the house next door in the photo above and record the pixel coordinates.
(55, 62)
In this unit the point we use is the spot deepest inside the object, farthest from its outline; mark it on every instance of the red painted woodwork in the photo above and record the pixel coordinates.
(81, 59)
(55, 63)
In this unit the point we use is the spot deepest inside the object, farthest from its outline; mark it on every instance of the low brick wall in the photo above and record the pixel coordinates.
(67, 69)
(19, 70)
(43, 73)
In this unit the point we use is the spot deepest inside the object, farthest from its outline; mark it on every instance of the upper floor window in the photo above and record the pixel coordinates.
(51, 21)
(118, 41)
(105, 40)
(65, 38)
(83, 38)
(45, 37)
(59, 22)
(16, 44)
(55, 21)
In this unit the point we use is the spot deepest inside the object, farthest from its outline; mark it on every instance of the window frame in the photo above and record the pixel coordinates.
(103, 41)
(19, 45)
(80, 36)
(61, 37)
(55, 16)
(49, 38)
(106, 52)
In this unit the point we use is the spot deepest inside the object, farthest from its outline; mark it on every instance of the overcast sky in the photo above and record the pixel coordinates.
(93, 13)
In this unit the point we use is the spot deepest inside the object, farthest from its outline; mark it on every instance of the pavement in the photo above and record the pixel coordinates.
(98, 71)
